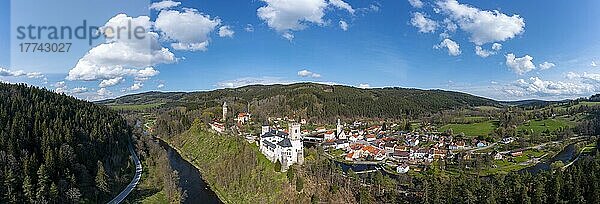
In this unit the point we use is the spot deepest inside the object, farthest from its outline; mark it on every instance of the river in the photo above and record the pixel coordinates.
(190, 179)
(565, 156)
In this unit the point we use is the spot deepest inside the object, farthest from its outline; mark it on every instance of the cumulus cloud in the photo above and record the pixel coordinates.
(189, 29)
(146, 73)
(364, 86)
(342, 5)
(593, 64)
(251, 81)
(483, 26)
(496, 46)
(60, 87)
(546, 65)
(285, 16)
(424, 24)
(453, 47)
(343, 25)
(160, 86)
(306, 73)
(110, 82)
(538, 87)
(416, 3)
(79, 90)
(225, 31)
(103, 92)
(135, 87)
(482, 52)
(120, 57)
(520, 65)
(164, 5)
(18, 73)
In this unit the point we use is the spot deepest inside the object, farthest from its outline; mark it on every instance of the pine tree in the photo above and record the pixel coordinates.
(101, 179)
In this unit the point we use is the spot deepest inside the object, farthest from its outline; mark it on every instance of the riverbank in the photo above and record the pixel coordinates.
(187, 158)
(235, 170)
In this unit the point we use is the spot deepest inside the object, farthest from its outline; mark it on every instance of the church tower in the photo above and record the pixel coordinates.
(339, 128)
(295, 131)
(224, 111)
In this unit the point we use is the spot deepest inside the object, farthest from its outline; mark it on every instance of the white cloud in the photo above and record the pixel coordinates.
(520, 65)
(593, 64)
(18, 73)
(285, 16)
(483, 26)
(145, 74)
(482, 52)
(110, 82)
(189, 30)
(343, 25)
(249, 28)
(342, 5)
(424, 24)
(160, 86)
(306, 73)
(164, 5)
(251, 81)
(225, 31)
(453, 47)
(103, 92)
(416, 3)
(546, 65)
(60, 87)
(496, 46)
(79, 90)
(120, 57)
(538, 87)
(364, 86)
(450, 26)
(135, 87)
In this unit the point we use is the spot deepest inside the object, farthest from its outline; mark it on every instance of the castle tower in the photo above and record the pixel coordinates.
(265, 128)
(225, 111)
(295, 131)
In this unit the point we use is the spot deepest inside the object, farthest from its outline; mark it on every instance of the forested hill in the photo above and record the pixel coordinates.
(57, 149)
(315, 100)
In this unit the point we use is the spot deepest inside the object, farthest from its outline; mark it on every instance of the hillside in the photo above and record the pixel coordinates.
(57, 149)
(310, 100)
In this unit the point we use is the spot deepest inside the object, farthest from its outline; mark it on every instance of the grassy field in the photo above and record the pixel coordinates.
(157, 198)
(473, 129)
(543, 125)
(135, 107)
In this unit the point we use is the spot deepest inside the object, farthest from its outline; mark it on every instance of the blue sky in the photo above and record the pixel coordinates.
(548, 51)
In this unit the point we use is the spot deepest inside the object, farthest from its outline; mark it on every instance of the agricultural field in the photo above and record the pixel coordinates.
(548, 124)
(473, 129)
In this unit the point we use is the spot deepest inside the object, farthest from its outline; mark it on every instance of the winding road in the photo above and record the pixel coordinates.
(134, 182)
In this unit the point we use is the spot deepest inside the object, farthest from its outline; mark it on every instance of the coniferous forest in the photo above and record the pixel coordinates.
(58, 149)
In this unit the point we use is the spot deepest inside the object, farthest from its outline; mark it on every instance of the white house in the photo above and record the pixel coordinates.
(402, 169)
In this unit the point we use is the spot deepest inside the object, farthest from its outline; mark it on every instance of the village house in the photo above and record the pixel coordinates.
(243, 118)
(402, 169)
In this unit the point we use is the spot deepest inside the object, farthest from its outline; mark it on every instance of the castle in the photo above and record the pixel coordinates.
(282, 146)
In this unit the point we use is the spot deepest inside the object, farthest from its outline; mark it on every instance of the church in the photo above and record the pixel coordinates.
(282, 146)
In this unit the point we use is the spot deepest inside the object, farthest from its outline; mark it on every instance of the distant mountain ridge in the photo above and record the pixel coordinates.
(315, 100)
